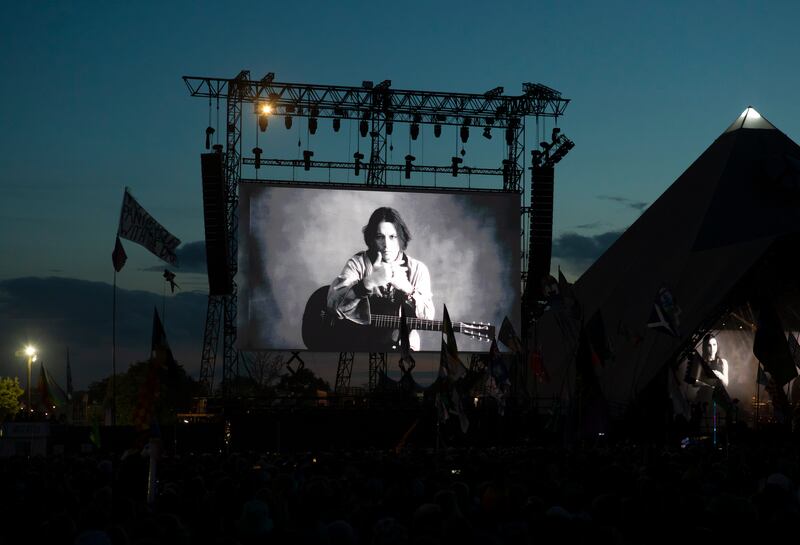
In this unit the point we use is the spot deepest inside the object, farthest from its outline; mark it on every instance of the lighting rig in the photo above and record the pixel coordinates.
(377, 109)
(540, 229)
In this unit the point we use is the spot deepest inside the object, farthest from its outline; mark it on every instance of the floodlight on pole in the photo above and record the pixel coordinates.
(30, 351)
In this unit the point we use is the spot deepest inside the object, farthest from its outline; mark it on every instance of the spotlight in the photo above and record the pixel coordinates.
(287, 121)
(209, 132)
(307, 155)
(363, 127)
(337, 123)
(414, 131)
(464, 134)
(312, 125)
(437, 130)
(257, 152)
(389, 128)
(263, 121)
(409, 158)
(358, 157)
(487, 133)
(506, 171)
(265, 108)
(509, 136)
(454, 162)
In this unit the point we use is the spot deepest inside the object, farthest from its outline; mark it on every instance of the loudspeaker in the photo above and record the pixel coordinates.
(215, 213)
(541, 232)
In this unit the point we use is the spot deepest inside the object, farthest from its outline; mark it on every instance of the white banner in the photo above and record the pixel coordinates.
(136, 225)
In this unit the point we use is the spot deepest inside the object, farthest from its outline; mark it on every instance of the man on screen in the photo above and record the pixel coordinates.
(383, 278)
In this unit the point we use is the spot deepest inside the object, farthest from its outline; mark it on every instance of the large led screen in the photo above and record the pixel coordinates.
(331, 270)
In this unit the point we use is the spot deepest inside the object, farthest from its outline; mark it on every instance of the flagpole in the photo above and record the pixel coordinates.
(164, 306)
(758, 394)
(114, 353)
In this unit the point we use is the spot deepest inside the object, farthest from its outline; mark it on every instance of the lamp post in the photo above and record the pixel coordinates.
(30, 351)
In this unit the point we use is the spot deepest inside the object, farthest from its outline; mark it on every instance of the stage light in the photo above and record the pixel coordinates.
(389, 128)
(555, 133)
(257, 152)
(263, 121)
(506, 171)
(464, 134)
(487, 133)
(209, 132)
(265, 108)
(287, 121)
(509, 136)
(414, 131)
(358, 156)
(337, 123)
(307, 155)
(363, 126)
(409, 158)
(536, 157)
(546, 146)
(437, 130)
(454, 162)
(312, 125)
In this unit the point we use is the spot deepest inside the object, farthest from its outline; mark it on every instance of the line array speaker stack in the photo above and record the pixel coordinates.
(216, 221)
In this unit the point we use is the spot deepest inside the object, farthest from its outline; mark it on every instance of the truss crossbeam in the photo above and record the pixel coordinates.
(407, 106)
(298, 163)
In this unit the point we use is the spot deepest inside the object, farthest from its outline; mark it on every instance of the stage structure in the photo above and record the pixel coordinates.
(376, 108)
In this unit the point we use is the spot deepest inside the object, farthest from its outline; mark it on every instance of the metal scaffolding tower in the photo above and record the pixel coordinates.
(377, 108)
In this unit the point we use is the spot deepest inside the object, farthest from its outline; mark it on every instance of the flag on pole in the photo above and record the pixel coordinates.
(508, 336)
(449, 359)
(137, 225)
(451, 370)
(499, 383)
(118, 256)
(665, 316)
(144, 415)
(160, 351)
(169, 276)
(50, 393)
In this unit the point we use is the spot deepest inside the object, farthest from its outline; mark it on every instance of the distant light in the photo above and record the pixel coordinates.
(185, 420)
(30, 350)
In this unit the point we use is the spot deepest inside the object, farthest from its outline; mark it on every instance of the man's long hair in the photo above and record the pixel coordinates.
(389, 215)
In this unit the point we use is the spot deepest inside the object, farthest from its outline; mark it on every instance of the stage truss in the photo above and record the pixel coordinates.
(377, 108)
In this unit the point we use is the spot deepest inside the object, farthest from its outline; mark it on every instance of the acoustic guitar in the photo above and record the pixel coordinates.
(324, 332)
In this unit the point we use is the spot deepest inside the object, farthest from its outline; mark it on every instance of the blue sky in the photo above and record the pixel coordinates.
(93, 101)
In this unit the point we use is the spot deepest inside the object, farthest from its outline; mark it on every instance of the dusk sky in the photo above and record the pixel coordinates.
(94, 101)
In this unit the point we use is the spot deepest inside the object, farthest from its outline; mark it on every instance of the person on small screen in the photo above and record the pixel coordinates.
(717, 364)
(383, 278)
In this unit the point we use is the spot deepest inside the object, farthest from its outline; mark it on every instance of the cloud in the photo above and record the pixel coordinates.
(65, 313)
(580, 251)
(592, 225)
(191, 259)
(636, 205)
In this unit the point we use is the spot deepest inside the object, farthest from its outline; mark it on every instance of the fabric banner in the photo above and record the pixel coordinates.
(137, 225)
